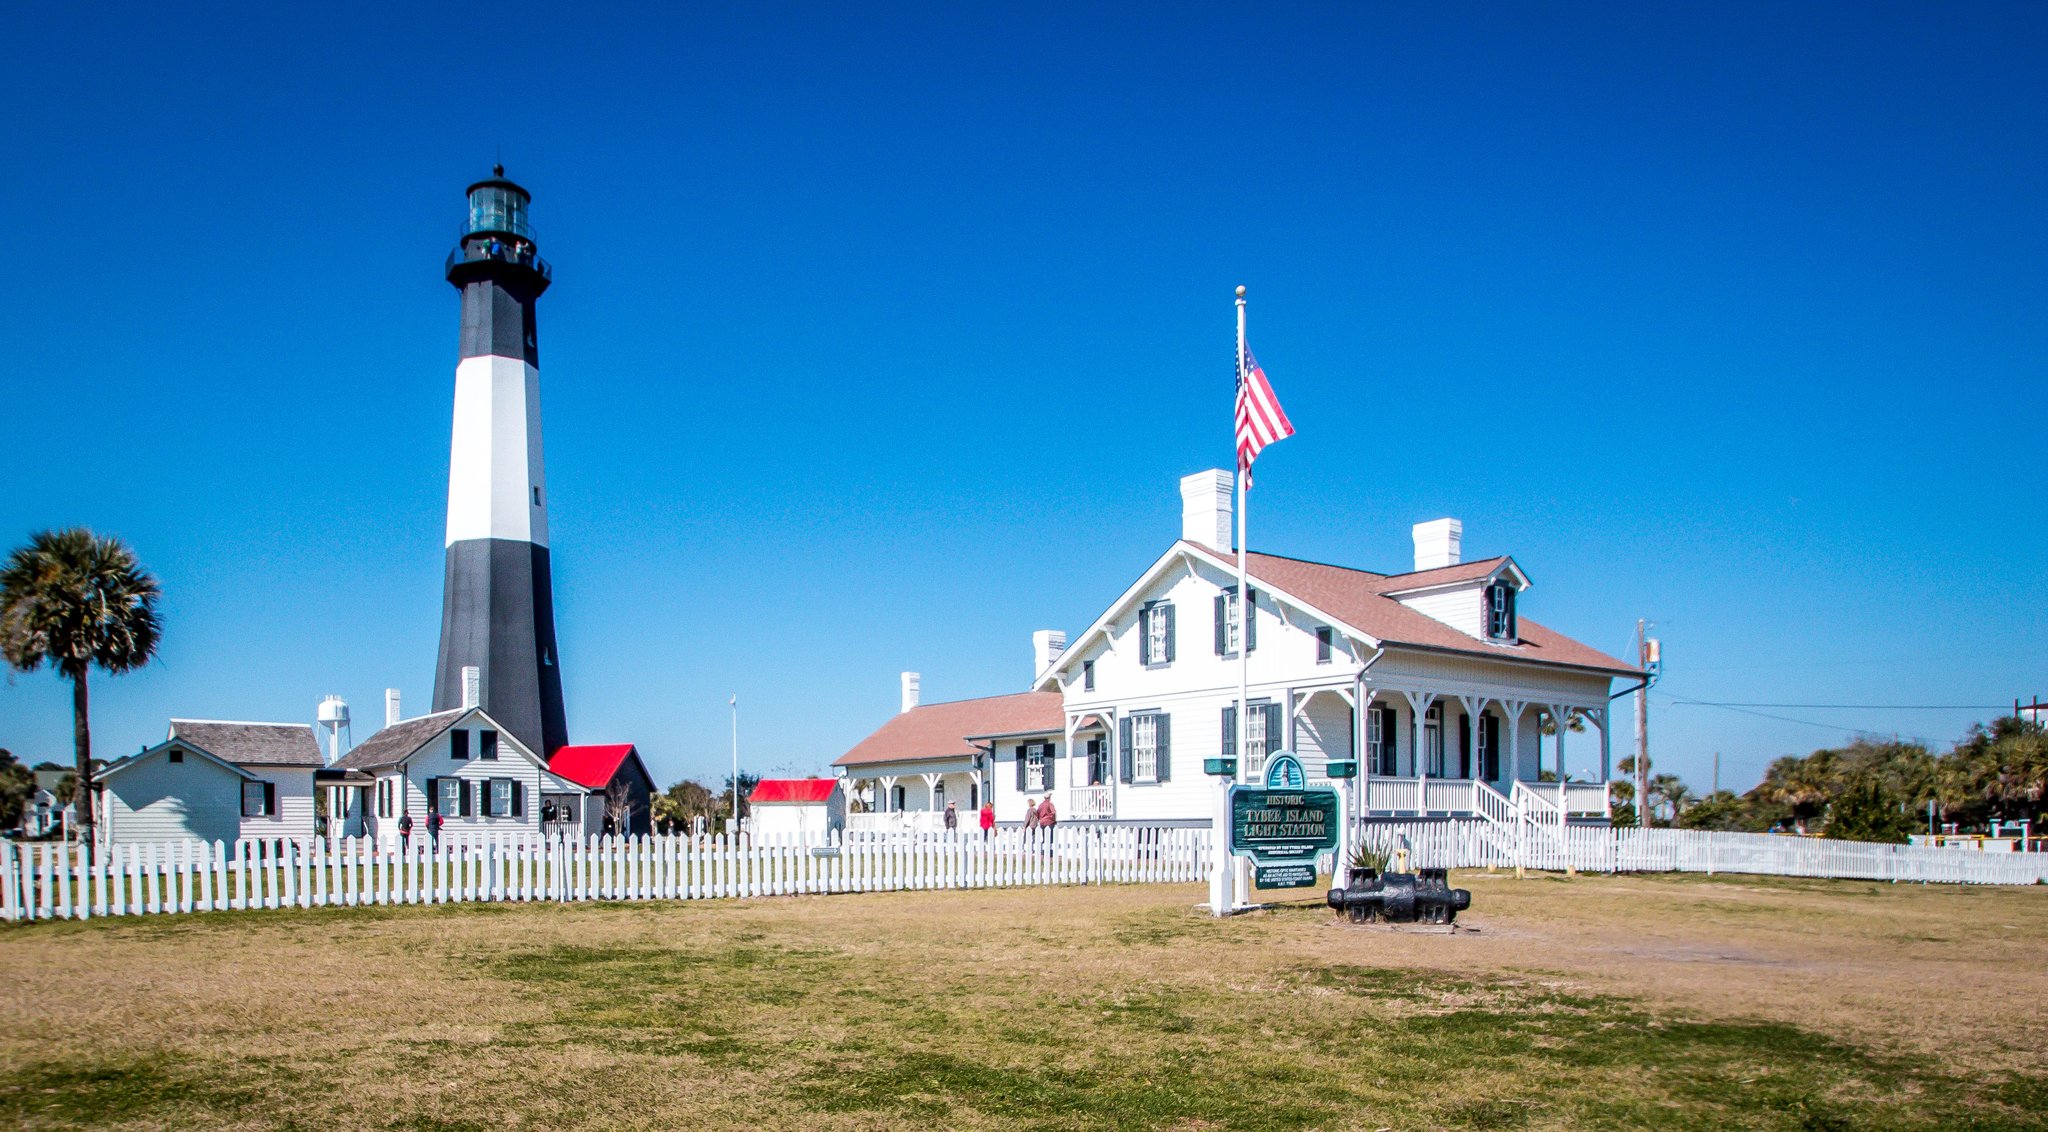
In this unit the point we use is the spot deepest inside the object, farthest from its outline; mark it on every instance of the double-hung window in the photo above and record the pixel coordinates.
(1500, 611)
(501, 796)
(1145, 748)
(1155, 633)
(487, 744)
(448, 800)
(1326, 640)
(458, 745)
(1087, 675)
(1433, 741)
(1379, 739)
(1255, 740)
(1227, 622)
(1035, 755)
(257, 799)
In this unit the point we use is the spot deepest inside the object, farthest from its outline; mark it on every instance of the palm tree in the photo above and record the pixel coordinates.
(78, 602)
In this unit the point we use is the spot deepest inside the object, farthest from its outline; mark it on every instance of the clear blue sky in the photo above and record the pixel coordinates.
(879, 338)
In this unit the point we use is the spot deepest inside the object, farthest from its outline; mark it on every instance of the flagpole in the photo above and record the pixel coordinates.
(1244, 653)
(1244, 605)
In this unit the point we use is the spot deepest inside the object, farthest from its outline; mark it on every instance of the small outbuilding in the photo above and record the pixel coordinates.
(213, 780)
(620, 798)
(802, 809)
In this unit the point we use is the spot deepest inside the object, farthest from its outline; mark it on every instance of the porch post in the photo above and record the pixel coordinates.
(1513, 710)
(1418, 704)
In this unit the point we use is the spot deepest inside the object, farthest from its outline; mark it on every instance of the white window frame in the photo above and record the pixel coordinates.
(1035, 755)
(261, 810)
(1145, 748)
(1155, 633)
(1230, 624)
(495, 785)
(1500, 612)
(1257, 744)
(449, 807)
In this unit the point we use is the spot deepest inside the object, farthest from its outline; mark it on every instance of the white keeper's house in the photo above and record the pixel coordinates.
(482, 782)
(212, 780)
(1430, 679)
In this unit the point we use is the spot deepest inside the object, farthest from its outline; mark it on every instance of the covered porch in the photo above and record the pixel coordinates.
(1450, 751)
(913, 796)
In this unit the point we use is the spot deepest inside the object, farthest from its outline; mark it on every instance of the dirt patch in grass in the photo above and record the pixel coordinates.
(1596, 1002)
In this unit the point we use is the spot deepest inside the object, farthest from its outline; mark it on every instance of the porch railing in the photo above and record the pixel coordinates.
(1090, 802)
(899, 821)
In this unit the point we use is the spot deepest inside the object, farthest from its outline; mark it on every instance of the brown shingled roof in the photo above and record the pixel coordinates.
(1358, 599)
(394, 744)
(940, 731)
(251, 744)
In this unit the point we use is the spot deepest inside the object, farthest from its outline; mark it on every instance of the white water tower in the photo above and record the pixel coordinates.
(334, 719)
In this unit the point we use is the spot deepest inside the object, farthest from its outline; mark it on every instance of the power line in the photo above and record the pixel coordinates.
(1848, 707)
(1837, 727)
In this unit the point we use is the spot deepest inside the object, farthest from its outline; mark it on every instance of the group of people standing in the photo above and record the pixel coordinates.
(1039, 815)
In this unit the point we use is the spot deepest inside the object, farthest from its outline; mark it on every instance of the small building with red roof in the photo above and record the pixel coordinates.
(799, 809)
(619, 794)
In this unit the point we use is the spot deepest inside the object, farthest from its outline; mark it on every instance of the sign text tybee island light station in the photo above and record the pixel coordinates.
(1284, 825)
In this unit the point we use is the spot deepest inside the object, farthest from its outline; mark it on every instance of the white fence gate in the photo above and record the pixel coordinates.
(57, 881)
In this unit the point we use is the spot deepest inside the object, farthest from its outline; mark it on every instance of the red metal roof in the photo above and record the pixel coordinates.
(793, 790)
(592, 765)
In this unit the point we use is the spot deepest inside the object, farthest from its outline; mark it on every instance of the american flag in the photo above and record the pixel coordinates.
(1260, 419)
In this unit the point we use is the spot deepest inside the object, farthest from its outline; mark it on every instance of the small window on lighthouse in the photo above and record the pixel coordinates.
(536, 495)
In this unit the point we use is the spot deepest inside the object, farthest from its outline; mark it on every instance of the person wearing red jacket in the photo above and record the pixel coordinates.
(988, 819)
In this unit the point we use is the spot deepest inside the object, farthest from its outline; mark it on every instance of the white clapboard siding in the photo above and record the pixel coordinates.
(57, 881)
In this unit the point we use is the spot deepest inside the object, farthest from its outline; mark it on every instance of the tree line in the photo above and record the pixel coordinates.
(1869, 790)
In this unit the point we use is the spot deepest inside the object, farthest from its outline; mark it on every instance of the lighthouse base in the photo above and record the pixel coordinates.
(498, 614)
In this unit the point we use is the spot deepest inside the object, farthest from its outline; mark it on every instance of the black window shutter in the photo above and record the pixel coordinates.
(1275, 738)
(1023, 758)
(1169, 632)
(1514, 631)
(1229, 730)
(1464, 746)
(1145, 616)
(519, 799)
(1222, 626)
(462, 810)
(1123, 750)
(1165, 747)
(1251, 620)
(1050, 763)
(270, 799)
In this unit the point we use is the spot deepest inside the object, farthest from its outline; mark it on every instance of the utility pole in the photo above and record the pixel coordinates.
(1648, 660)
(735, 702)
(1717, 772)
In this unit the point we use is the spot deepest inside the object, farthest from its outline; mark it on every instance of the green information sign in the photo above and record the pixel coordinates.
(1283, 823)
(1285, 876)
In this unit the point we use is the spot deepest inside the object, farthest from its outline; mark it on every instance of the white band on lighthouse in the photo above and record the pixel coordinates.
(496, 485)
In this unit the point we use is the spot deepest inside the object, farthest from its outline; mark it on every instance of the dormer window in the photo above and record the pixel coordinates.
(1500, 612)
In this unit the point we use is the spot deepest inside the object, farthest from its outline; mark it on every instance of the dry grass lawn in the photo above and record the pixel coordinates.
(1588, 1002)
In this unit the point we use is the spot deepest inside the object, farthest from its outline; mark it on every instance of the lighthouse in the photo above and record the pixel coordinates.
(497, 608)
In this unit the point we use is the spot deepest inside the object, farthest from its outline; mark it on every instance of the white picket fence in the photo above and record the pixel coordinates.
(1476, 843)
(56, 881)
